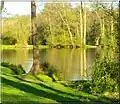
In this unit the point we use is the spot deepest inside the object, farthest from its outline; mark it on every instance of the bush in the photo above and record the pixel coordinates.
(82, 85)
(16, 69)
(6, 40)
(51, 71)
(105, 76)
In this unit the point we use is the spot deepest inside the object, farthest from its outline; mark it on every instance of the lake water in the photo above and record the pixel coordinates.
(72, 64)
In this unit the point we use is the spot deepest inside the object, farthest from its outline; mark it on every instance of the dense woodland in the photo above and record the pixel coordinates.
(65, 25)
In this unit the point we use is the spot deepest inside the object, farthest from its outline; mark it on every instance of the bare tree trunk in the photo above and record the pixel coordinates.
(77, 30)
(66, 23)
(81, 63)
(97, 38)
(63, 29)
(85, 24)
(102, 29)
(64, 37)
(103, 32)
(36, 65)
(50, 25)
(81, 23)
(112, 26)
(84, 63)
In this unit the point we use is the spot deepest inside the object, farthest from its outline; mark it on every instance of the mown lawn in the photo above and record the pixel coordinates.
(37, 89)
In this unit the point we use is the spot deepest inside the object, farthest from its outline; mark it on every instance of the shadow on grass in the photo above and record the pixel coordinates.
(54, 96)
(30, 89)
(98, 100)
(113, 100)
(47, 87)
(16, 99)
(58, 91)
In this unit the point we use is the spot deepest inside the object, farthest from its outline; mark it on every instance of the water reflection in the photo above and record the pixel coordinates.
(18, 56)
(72, 64)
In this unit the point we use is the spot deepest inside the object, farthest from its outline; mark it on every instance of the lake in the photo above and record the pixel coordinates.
(72, 64)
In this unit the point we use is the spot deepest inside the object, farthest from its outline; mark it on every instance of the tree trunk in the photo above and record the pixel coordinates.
(101, 29)
(112, 26)
(66, 23)
(81, 63)
(51, 33)
(103, 32)
(84, 63)
(85, 24)
(81, 23)
(36, 65)
(1, 6)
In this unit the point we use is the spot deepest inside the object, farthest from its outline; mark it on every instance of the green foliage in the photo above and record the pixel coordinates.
(83, 85)
(50, 70)
(57, 32)
(16, 69)
(53, 31)
(6, 40)
(18, 28)
(105, 76)
(58, 40)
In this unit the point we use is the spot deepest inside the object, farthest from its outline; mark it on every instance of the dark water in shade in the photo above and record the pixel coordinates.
(72, 64)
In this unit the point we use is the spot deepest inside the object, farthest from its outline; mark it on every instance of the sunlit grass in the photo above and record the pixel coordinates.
(36, 89)
(19, 46)
(5, 47)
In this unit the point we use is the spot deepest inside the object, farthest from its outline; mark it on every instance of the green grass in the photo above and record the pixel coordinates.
(6, 70)
(91, 46)
(37, 89)
(31, 46)
(19, 46)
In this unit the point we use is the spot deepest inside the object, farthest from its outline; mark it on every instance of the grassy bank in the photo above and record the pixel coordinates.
(19, 46)
(31, 46)
(91, 46)
(37, 89)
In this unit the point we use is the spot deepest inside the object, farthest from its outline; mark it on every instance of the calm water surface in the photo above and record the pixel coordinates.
(72, 64)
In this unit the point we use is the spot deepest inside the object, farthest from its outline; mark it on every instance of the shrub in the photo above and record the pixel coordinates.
(6, 40)
(105, 76)
(50, 70)
(82, 85)
(17, 69)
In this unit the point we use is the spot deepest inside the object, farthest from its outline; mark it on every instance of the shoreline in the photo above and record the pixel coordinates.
(3, 47)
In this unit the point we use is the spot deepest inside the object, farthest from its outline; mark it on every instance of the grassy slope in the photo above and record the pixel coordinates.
(29, 89)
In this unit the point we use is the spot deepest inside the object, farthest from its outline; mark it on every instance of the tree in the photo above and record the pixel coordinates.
(18, 28)
(36, 65)
(81, 22)
(65, 21)
(1, 6)
(100, 15)
(106, 16)
(85, 24)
